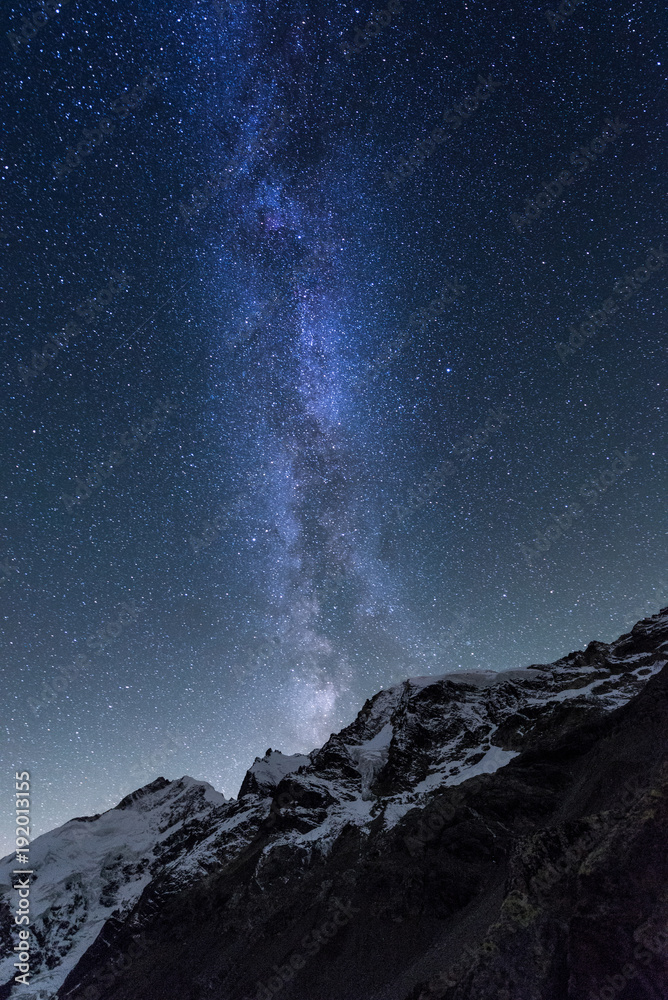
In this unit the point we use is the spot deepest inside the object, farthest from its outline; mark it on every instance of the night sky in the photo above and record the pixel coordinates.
(297, 374)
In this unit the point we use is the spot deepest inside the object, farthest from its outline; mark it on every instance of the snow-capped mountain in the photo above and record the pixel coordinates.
(98, 865)
(408, 827)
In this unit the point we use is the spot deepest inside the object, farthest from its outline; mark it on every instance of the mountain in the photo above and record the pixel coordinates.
(472, 836)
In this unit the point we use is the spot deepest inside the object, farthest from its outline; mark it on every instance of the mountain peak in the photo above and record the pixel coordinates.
(267, 772)
(409, 746)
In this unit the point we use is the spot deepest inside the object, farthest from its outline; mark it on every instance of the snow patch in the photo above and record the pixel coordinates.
(453, 773)
(494, 759)
(272, 768)
(369, 757)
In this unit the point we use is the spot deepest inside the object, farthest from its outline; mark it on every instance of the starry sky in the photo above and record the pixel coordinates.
(300, 395)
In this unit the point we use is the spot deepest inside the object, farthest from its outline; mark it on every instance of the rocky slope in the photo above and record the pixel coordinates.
(469, 836)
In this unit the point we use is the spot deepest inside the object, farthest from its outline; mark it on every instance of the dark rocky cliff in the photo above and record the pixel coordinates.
(470, 837)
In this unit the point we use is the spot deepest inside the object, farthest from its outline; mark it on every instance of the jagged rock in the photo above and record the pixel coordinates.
(468, 837)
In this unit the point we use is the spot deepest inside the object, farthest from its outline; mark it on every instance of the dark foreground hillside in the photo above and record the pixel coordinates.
(467, 837)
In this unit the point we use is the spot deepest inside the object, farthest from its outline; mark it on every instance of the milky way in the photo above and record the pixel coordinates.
(334, 353)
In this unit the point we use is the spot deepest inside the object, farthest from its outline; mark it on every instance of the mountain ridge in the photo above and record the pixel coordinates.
(409, 778)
